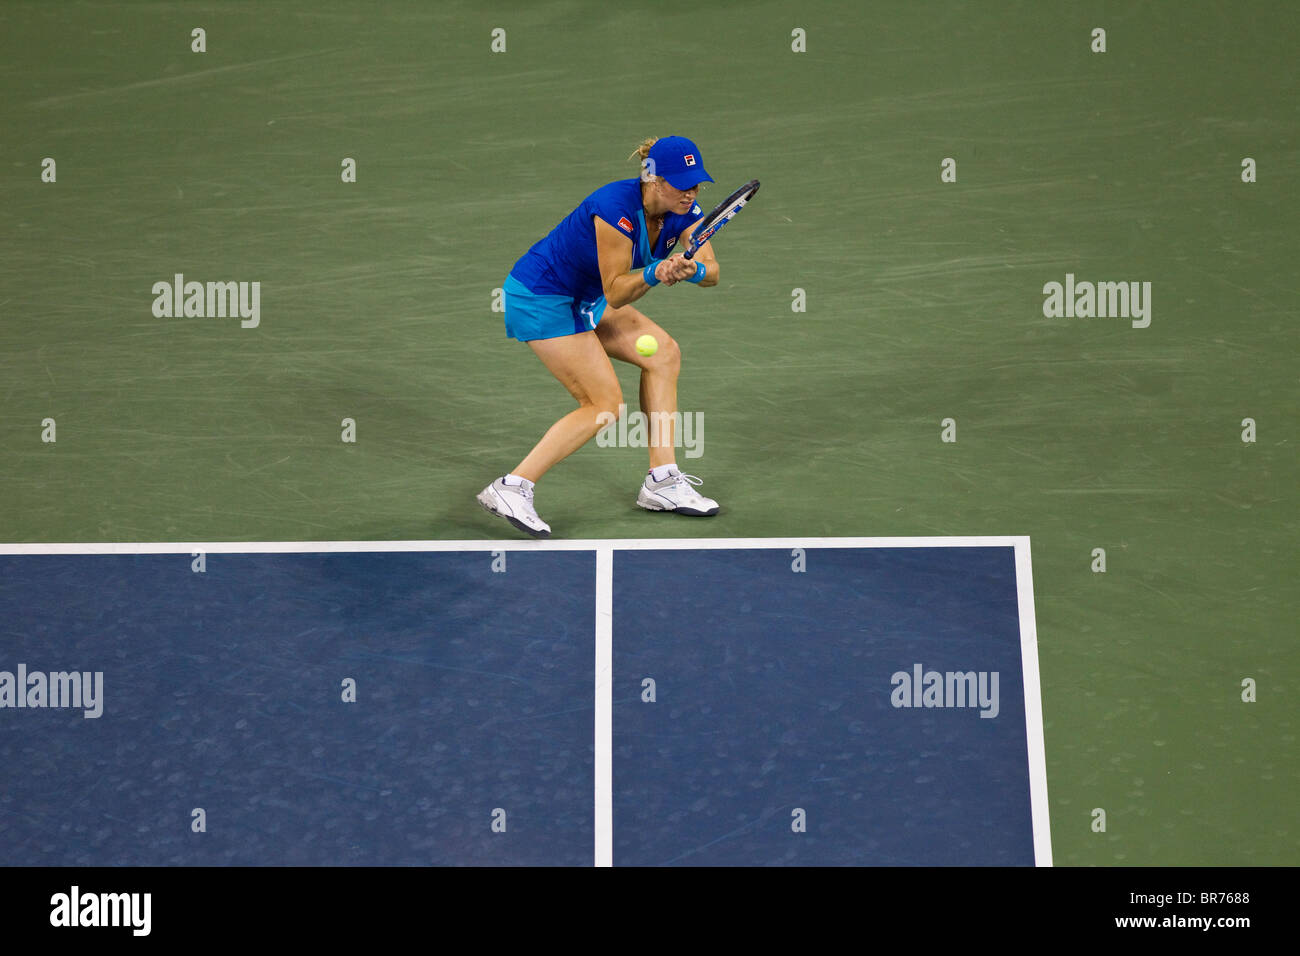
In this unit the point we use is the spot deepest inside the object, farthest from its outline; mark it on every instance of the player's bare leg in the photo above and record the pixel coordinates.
(581, 365)
(665, 488)
(618, 331)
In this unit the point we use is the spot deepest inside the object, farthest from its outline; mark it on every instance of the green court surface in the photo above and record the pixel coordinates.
(924, 302)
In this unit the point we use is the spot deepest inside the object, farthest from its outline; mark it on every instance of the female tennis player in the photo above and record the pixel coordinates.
(570, 298)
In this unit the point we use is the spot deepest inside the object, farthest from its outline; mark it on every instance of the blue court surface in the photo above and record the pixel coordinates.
(638, 703)
(222, 690)
(773, 695)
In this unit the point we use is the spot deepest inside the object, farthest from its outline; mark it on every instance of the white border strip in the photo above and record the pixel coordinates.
(604, 755)
(594, 544)
(1038, 806)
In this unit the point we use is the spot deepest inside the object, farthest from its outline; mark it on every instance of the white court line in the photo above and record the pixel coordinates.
(550, 544)
(1038, 807)
(604, 756)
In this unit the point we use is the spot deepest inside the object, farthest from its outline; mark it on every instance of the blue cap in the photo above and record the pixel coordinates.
(677, 160)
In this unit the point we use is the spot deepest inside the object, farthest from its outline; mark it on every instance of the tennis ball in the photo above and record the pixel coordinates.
(647, 345)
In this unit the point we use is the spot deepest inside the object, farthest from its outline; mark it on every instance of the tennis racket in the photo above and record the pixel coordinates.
(722, 214)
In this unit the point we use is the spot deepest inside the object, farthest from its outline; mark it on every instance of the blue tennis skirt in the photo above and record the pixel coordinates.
(531, 316)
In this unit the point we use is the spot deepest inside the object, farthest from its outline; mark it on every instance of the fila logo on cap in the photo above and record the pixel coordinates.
(689, 159)
(625, 223)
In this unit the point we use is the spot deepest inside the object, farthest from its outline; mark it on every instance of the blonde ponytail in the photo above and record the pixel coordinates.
(641, 153)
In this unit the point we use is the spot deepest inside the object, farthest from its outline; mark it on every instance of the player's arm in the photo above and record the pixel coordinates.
(622, 285)
(614, 252)
(704, 255)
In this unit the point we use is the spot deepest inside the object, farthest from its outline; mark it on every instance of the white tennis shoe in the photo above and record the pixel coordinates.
(676, 493)
(515, 504)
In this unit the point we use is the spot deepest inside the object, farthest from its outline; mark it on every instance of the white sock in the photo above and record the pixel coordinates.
(663, 471)
(513, 479)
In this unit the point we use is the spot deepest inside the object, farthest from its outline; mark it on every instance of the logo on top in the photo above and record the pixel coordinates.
(689, 159)
(625, 223)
